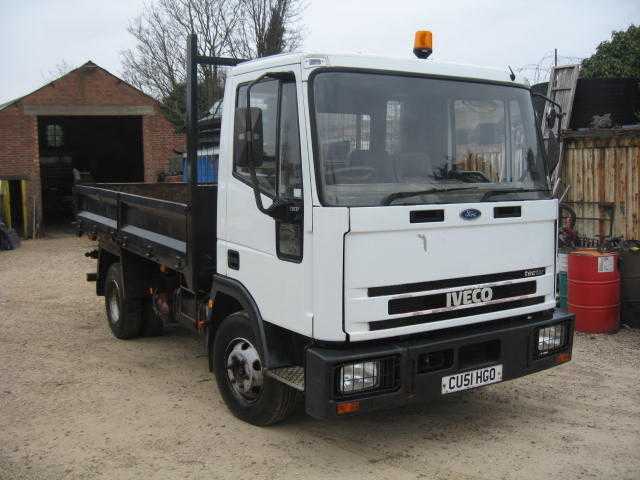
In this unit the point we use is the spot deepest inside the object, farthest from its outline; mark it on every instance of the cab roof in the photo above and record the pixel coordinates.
(371, 62)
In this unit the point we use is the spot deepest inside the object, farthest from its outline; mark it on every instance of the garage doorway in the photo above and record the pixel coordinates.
(99, 149)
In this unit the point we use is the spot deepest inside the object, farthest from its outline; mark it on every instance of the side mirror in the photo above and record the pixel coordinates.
(552, 146)
(248, 151)
(551, 139)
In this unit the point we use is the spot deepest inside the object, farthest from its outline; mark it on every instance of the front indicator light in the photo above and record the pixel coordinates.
(563, 358)
(551, 339)
(347, 407)
(359, 376)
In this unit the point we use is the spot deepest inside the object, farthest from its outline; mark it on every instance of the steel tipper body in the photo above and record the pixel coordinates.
(381, 232)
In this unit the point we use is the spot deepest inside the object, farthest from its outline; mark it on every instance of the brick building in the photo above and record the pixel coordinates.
(88, 120)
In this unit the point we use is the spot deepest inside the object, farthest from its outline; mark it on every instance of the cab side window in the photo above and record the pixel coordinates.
(289, 235)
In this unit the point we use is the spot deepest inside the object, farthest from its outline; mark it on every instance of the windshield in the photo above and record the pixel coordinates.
(391, 139)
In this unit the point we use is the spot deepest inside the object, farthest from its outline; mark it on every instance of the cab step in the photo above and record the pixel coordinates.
(292, 376)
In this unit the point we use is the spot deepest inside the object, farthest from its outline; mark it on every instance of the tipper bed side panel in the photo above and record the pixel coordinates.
(152, 220)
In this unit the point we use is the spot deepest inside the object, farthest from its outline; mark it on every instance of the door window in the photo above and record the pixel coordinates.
(264, 96)
(280, 172)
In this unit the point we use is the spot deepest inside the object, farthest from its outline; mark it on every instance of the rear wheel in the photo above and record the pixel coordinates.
(239, 369)
(124, 315)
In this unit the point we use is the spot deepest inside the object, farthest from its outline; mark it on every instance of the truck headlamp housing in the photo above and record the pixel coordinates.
(359, 377)
(551, 339)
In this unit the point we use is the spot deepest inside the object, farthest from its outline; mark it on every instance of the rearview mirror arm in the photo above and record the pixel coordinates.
(280, 210)
(550, 168)
(547, 99)
(249, 130)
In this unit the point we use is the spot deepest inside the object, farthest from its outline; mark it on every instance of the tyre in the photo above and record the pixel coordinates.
(125, 316)
(238, 367)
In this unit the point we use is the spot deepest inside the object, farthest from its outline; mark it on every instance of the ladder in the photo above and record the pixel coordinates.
(562, 90)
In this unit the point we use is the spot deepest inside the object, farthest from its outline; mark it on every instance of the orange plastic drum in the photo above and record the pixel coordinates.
(594, 290)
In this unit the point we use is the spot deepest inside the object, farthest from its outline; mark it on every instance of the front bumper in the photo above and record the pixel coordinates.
(510, 342)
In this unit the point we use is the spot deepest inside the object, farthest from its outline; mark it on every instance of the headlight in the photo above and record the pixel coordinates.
(551, 339)
(359, 376)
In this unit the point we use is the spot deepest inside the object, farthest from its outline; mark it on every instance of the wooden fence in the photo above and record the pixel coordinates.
(487, 159)
(602, 169)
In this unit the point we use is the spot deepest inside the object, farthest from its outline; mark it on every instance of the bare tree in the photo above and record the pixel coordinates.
(268, 27)
(61, 68)
(157, 63)
(237, 28)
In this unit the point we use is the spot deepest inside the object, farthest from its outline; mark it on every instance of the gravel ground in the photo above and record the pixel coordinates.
(77, 403)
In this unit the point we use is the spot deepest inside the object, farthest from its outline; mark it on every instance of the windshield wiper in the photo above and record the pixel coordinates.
(505, 191)
(394, 196)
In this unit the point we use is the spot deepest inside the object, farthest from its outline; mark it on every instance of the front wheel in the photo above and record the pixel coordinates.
(239, 370)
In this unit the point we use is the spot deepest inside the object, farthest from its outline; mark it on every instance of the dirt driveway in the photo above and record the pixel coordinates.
(77, 403)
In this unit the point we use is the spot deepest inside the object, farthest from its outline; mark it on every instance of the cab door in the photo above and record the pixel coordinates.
(271, 258)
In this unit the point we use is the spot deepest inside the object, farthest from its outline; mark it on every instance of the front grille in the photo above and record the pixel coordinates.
(439, 300)
(454, 282)
(467, 312)
(389, 374)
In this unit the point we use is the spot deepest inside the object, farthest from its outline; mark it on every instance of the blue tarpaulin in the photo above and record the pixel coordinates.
(207, 169)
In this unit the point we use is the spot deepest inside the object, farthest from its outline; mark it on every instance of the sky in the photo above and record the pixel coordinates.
(36, 36)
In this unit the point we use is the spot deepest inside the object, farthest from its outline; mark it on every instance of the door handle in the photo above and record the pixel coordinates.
(233, 259)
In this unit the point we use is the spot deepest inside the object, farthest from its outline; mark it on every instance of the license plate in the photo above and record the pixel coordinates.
(471, 379)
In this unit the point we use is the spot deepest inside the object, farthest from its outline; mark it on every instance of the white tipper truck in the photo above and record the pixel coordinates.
(381, 232)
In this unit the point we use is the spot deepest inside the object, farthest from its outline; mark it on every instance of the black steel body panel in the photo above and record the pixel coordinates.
(153, 221)
(516, 354)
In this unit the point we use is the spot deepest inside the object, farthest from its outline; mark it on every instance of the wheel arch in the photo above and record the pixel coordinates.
(281, 347)
(105, 259)
(229, 296)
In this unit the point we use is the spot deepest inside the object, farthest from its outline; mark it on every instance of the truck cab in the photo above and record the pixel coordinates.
(384, 234)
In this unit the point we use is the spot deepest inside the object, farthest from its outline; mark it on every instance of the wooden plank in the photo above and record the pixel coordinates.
(634, 195)
(602, 225)
(565, 173)
(625, 195)
(25, 208)
(628, 182)
(570, 174)
(5, 196)
(609, 183)
(621, 189)
(578, 176)
(587, 172)
(629, 133)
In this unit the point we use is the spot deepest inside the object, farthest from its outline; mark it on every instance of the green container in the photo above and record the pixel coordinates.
(562, 289)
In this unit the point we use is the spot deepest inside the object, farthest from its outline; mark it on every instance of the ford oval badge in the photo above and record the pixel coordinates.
(470, 214)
